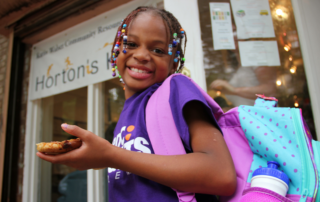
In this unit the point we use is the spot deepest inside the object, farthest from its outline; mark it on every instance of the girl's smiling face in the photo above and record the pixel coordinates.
(147, 61)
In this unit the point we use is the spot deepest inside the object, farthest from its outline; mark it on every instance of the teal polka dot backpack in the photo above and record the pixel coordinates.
(256, 136)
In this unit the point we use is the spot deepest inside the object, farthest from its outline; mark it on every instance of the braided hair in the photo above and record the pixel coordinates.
(172, 24)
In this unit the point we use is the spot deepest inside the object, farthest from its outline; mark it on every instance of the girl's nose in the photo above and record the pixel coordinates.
(142, 54)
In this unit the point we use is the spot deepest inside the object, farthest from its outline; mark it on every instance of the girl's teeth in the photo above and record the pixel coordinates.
(138, 70)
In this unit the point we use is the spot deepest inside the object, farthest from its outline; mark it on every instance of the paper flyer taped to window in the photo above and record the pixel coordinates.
(259, 53)
(221, 26)
(253, 19)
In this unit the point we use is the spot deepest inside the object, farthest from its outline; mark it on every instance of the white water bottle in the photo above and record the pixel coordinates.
(271, 178)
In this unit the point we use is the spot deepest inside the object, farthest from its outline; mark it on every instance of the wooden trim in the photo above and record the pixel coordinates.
(51, 14)
(5, 108)
(74, 19)
(10, 19)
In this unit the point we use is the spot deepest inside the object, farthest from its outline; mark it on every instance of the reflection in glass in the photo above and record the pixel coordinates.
(231, 84)
(60, 183)
(113, 103)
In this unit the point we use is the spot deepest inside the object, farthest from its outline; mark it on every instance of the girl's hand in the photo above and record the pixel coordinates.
(94, 152)
(223, 86)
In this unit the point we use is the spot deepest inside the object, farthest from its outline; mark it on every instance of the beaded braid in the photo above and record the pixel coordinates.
(176, 34)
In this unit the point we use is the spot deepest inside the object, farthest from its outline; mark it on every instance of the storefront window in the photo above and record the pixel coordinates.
(113, 104)
(60, 182)
(252, 47)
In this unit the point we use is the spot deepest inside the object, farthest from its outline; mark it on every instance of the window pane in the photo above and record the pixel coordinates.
(113, 102)
(232, 84)
(60, 183)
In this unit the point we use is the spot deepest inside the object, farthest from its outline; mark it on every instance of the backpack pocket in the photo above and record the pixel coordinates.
(262, 195)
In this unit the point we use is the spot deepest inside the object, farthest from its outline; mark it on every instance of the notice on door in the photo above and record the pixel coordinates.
(221, 26)
(259, 53)
(253, 19)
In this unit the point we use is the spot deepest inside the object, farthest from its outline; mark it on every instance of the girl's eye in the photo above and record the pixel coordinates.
(159, 51)
(131, 45)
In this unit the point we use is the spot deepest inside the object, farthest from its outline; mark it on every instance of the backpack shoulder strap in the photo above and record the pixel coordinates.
(161, 127)
(162, 131)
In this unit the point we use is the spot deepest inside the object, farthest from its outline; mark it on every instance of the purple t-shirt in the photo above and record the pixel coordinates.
(131, 134)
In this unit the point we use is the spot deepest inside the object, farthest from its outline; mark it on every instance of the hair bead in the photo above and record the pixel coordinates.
(125, 40)
(175, 35)
(174, 43)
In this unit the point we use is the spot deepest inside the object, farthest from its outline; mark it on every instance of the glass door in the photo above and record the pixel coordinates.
(235, 75)
(60, 183)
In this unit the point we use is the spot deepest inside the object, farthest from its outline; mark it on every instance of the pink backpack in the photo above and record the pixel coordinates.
(254, 135)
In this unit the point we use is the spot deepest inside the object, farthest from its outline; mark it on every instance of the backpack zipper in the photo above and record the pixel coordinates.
(316, 150)
(306, 160)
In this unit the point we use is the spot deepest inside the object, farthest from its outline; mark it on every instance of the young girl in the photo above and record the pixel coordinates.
(147, 50)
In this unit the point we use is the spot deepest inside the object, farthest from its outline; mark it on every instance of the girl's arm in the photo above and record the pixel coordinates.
(209, 169)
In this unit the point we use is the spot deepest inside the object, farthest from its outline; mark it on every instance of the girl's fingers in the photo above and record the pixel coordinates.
(65, 158)
(50, 158)
(75, 131)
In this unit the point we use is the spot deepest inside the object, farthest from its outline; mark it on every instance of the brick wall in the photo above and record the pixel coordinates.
(23, 116)
(4, 45)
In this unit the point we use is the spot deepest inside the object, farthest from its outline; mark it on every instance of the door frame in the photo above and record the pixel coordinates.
(95, 178)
